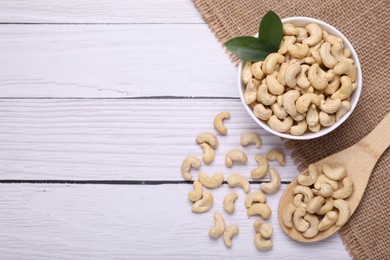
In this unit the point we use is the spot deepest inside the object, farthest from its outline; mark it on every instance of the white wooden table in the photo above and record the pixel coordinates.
(100, 101)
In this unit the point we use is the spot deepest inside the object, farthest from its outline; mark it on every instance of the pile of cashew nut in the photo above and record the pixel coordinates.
(305, 86)
(255, 202)
(319, 201)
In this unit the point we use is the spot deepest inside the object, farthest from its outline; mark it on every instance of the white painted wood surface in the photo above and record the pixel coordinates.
(66, 67)
(133, 222)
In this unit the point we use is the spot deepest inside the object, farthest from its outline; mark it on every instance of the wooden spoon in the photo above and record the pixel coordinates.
(359, 161)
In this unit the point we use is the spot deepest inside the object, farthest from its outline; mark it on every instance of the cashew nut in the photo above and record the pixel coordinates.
(270, 62)
(323, 179)
(305, 100)
(261, 169)
(298, 51)
(256, 70)
(289, 29)
(302, 80)
(287, 41)
(302, 34)
(263, 228)
(330, 106)
(218, 122)
(347, 68)
(289, 99)
(290, 76)
(315, 204)
(230, 231)
(287, 214)
(273, 84)
(328, 221)
(256, 196)
(246, 73)
(264, 97)
(312, 231)
(315, 128)
(333, 85)
(338, 52)
(344, 108)
(282, 71)
(299, 117)
(312, 118)
(228, 202)
(325, 190)
(299, 223)
(326, 57)
(250, 138)
(335, 174)
(188, 163)
(305, 191)
(196, 194)
(261, 209)
(261, 243)
(211, 182)
(204, 204)
(299, 128)
(315, 33)
(308, 60)
(317, 77)
(345, 90)
(238, 180)
(345, 191)
(308, 179)
(276, 155)
(219, 226)
(331, 39)
(250, 93)
(209, 138)
(279, 111)
(272, 186)
(326, 119)
(261, 112)
(280, 126)
(344, 212)
(279, 100)
(208, 153)
(235, 155)
(328, 206)
(298, 200)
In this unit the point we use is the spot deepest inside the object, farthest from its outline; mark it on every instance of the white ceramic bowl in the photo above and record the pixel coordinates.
(302, 22)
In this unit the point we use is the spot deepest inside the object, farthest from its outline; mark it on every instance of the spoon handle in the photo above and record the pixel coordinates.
(378, 140)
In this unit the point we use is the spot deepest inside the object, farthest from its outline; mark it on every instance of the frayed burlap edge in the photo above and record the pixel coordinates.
(352, 244)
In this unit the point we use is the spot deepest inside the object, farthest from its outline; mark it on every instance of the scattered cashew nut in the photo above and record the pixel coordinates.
(238, 180)
(262, 243)
(250, 138)
(188, 163)
(211, 182)
(218, 122)
(235, 155)
(261, 169)
(261, 209)
(263, 228)
(219, 226)
(204, 204)
(197, 193)
(272, 186)
(230, 231)
(208, 153)
(228, 202)
(256, 196)
(209, 138)
(276, 155)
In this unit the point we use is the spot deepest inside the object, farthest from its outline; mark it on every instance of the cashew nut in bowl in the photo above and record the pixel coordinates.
(270, 62)
(250, 138)
(302, 80)
(326, 57)
(345, 90)
(299, 128)
(273, 84)
(312, 117)
(235, 155)
(250, 93)
(298, 51)
(299, 223)
(302, 34)
(230, 231)
(261, 209)
(197, 193)
(333, 85)
(287, 41)
(188, 163)
(290, 76)
(219, 226)
(305, 191)
(282, 71)
(317, 77)
(323, 179)
(330, 106)
(335, 174)
(256, 70)
(328, 221)
(298, 200)
(211, 182)
(246, 72)
(238, 180)
(312, 231)
(208, 153)
(204, 204)
(315, 33)
(279, 111)
(289, 99)
(261, 112)
(261, 169)
(276, 155)
(264, 97)
(304, 101)
(287, 215)
(315, 128)
(299, 117)
(209, 138)
(326, 119)
(347, 68)
(328, 206)
(263, 228)
(228, 202)
(290, 29)
(331, 39)
(344, 108)
(315, 204)
(280, 126)
(272, 186)
(256, 196)
(309, 178)
(344, 212)
(218, 122)
(345, 191)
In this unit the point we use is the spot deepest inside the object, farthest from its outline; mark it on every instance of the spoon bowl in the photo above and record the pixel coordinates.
(359, 160)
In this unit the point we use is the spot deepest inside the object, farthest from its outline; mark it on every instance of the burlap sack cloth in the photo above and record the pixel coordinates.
(366, 24)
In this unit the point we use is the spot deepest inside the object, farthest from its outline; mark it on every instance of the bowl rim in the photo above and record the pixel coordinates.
(356, 93)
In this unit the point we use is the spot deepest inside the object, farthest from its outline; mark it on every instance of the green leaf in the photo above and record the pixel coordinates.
(249, 48)
(271, 30)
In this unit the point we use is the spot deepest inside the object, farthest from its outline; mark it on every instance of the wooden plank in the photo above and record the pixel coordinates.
(120, 139)
(133, 222)
(114, 61)
(102, 11)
